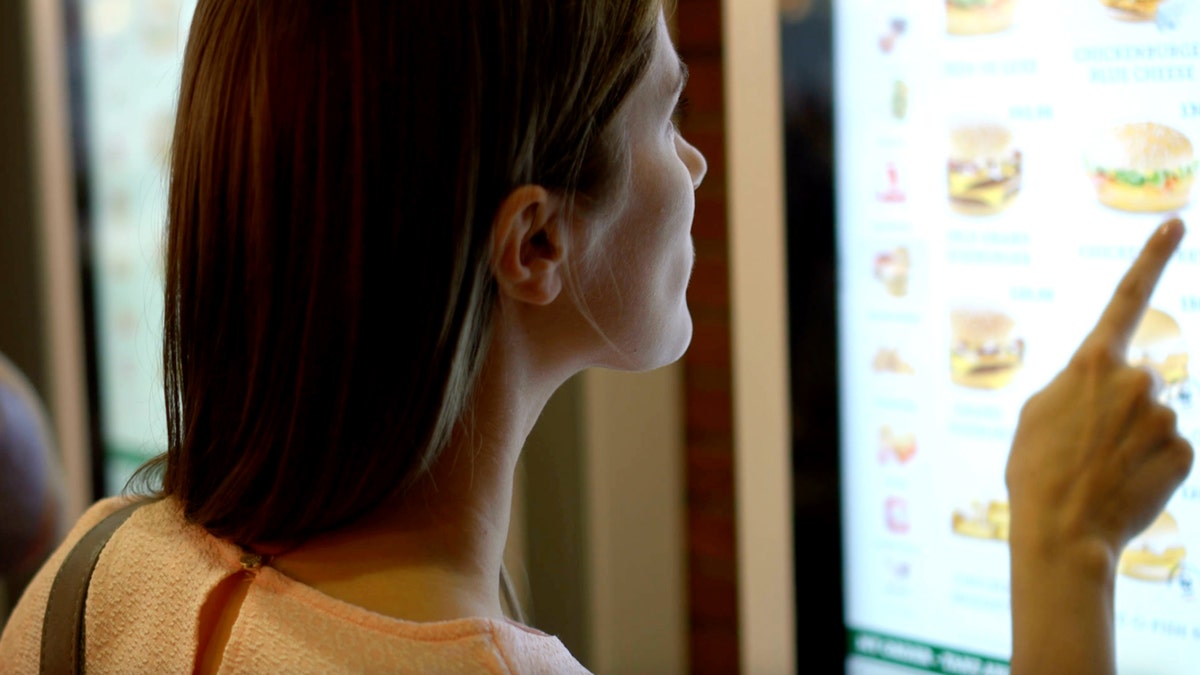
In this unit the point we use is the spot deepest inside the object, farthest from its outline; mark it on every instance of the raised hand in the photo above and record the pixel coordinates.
(1094, 460)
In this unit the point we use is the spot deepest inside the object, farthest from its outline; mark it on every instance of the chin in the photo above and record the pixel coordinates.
(664, 347)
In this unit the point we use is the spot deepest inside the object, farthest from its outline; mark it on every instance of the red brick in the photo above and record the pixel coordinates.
(712, 563)
(698, 29)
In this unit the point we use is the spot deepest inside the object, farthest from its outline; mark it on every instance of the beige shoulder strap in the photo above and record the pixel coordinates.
(62, 627)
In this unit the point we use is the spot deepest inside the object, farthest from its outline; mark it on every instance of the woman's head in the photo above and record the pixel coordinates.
(337, 167)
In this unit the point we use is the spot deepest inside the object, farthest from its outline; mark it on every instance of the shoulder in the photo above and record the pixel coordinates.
(528, 650)
(20, 645)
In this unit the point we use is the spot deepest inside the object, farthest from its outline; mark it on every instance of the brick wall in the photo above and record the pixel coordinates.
(712, 564)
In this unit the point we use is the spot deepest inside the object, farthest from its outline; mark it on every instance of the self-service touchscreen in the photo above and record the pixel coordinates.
(999, 164)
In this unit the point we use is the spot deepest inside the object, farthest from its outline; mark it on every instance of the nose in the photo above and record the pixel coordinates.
(695, 162)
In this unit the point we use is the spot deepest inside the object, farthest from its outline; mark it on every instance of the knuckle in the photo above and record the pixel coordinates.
(1183, 456)
(1091, 359)
(1140, 381)
(1165, 419)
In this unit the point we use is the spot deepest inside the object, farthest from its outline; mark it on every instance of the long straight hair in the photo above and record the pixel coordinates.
(335, 170)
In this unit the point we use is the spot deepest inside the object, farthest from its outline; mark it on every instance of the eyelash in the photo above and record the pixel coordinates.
(682, 107)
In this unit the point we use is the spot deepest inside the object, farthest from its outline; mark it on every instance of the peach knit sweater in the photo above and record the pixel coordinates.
(157, 570)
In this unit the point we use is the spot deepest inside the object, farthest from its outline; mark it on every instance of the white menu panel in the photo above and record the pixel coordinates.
(1000, 163)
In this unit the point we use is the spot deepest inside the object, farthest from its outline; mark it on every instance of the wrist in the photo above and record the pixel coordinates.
(1062, 603)
(1083, 558)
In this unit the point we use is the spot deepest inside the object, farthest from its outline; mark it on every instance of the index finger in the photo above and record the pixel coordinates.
(1129, 301)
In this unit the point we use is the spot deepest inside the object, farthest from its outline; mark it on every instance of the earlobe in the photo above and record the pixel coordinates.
(529, 246)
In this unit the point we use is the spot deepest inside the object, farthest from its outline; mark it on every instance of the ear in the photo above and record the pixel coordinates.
(529, 245)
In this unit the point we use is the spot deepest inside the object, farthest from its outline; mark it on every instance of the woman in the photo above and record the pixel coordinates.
(395, 228)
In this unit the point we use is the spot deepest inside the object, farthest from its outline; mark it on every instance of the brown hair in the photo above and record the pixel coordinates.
(335, 170)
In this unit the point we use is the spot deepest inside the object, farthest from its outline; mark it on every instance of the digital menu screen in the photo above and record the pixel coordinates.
(130, 54)
(999, 165)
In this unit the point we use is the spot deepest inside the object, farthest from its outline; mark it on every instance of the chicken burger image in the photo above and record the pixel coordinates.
(976, 17)
(1156, 554)
(985, 354)
(984, 170)
(1142, 167)
(1132, 10)
(1158, 344)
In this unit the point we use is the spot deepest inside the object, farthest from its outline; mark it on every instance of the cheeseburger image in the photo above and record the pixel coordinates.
(1132, 10)
(984, 170)
(976, 17)
(1154, 555)
(1142, 167)
(1158, 343)
(982, 521)
(985, 355)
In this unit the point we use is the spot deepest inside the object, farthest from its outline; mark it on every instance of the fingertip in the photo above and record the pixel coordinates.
(1172, 230)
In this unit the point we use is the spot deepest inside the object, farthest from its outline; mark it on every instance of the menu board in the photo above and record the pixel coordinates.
(131, 57)
(999, 165)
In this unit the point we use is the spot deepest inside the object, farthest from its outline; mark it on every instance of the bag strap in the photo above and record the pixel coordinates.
(62, 627)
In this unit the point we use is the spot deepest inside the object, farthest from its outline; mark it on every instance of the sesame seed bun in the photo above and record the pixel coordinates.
(1142, 146)
(984, 140)
(978, 325)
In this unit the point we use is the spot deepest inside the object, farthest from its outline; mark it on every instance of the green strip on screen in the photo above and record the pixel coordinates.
(922, 656)
(128, 453)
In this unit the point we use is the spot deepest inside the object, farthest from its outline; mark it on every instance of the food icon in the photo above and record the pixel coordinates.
(984, 171)
(889, 361)
(895, 515)
(985, 355)
(1132, 10)
(1142, 167)
(982, 520)
(887, 41)
(900, 447)
(1158, 344)
(893, 192)
(1156, 554)
(891, 269)
(976, 17)
(899, 99)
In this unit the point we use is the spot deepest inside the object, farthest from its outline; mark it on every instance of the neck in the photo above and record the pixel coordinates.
(436, 553)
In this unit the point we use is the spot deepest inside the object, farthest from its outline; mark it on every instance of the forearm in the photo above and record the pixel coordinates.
(1062, 603)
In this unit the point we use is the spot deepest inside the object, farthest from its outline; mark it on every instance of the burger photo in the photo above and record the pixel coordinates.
(985, 354)
(1155, 554)
(982, 521)
(1132, 10)
(1158, 344)
(976, 17)
(1142, 167)
(984, 169)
